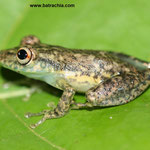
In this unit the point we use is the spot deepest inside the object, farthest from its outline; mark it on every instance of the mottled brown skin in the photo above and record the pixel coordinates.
(106, 78)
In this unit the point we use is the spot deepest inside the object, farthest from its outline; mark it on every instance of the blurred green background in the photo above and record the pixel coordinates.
(122, 26)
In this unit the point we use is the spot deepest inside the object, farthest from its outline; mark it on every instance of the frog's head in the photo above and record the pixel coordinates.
(28, 58)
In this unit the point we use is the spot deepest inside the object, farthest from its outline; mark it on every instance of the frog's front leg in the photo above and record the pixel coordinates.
(61, 109)
(117, 90)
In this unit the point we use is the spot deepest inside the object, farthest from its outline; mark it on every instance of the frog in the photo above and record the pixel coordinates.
(106, 78)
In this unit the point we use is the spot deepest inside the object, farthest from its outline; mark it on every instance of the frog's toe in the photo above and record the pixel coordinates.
(51, 105)
(33, 126)
(28, 115)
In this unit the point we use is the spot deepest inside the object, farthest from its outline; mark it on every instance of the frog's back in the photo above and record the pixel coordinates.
(85, 61)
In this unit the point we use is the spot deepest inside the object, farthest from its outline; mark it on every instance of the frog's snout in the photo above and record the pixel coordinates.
(7, 57)
(2, 56)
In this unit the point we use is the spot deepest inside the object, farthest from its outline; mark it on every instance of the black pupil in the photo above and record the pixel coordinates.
(22, 54)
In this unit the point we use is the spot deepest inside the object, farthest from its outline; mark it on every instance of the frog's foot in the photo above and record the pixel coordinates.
(30, 92)
(7, 85)
(47, 115)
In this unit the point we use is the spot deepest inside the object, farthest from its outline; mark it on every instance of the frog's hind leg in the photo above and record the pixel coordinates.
(141, 64)
(116, 91)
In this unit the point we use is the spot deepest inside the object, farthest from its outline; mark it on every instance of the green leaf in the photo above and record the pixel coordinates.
(110, 25)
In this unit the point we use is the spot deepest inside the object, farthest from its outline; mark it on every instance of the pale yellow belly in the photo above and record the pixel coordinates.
(81, 83)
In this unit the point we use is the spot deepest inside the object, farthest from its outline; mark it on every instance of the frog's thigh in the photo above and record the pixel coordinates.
(118, 90)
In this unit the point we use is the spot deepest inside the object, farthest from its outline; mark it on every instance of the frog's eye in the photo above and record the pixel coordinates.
(24, 55)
